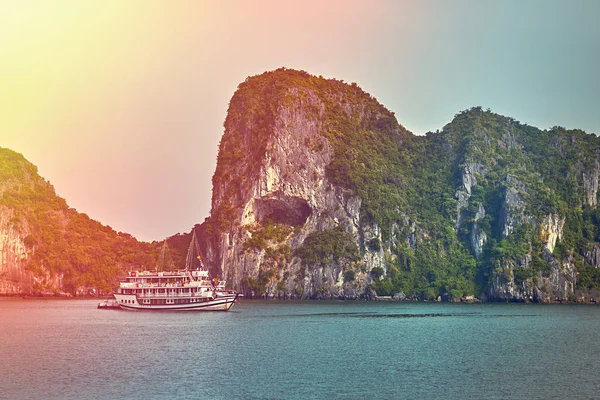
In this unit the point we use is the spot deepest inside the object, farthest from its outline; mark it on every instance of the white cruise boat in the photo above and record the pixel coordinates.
(174, 290)
(180, 290)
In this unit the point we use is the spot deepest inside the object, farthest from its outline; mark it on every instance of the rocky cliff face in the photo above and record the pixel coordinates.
(287, 186)
(16, 245)
(14, 278)
(320, 193)
(529, 221)
(15, 275)
(590, 185)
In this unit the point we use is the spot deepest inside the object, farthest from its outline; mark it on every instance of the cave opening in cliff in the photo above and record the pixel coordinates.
(283, 210)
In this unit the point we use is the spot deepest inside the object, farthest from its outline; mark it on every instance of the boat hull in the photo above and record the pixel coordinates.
(221, 303)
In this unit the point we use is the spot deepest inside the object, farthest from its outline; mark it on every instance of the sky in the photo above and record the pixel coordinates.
(121, 103)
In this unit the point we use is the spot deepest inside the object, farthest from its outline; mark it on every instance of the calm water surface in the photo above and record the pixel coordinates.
(67, 349)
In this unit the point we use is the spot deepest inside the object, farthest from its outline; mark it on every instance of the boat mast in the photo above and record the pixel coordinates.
(164, 258)
(193, 252)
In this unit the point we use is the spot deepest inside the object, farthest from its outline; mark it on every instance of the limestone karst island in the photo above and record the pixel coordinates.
(320, 193)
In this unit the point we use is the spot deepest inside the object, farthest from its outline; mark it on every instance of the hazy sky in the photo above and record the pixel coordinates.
(121, 103)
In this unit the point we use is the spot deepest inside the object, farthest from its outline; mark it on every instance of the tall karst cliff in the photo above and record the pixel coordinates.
(49, 248)
(320, 193)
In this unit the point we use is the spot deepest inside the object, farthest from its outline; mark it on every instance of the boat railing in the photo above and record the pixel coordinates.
(164, 285)
(153, 295)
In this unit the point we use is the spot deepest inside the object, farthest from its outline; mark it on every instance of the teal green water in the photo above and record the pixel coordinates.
(67, 349)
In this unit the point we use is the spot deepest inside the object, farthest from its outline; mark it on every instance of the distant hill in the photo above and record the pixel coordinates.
(47, 247)
(320, 193)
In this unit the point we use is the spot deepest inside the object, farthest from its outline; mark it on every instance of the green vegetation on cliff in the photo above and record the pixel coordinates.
(329, 246)
(514, 171)
(58, 239)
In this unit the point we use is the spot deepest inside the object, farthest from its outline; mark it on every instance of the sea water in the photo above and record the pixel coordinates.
(68, 349)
